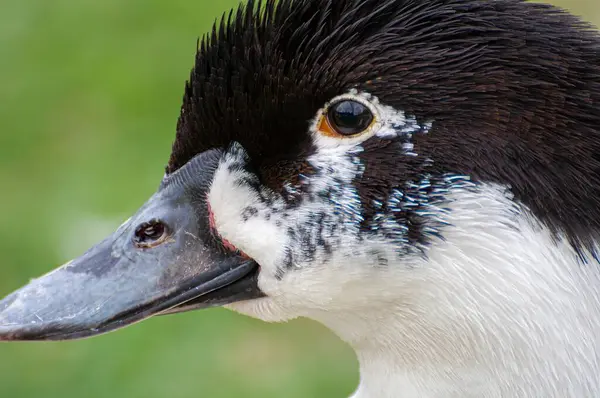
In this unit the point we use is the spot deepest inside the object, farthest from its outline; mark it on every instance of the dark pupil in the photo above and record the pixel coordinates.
(149, 232)
(350, 117)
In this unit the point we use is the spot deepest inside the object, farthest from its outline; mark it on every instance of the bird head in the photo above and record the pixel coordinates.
(325, 157)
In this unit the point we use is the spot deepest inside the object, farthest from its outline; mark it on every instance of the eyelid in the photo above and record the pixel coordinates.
(325, 127)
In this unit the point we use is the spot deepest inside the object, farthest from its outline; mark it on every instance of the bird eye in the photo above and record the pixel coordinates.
(150, 234)
(346, 118)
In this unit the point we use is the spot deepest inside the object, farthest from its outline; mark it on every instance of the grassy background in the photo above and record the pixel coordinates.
(89, 96)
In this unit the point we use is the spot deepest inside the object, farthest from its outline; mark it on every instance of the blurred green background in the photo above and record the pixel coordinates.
(89, 97)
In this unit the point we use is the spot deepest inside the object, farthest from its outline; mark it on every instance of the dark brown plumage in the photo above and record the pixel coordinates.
(512, 88)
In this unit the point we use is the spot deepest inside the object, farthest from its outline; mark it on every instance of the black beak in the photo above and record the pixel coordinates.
(165, 259)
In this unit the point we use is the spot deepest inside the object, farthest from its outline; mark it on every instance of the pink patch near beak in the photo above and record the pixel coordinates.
(227, 244)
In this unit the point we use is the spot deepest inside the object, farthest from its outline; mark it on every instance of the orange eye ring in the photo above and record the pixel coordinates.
(325, 128)
(346, 118)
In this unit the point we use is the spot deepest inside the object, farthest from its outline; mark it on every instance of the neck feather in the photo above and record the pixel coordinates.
(501, 308)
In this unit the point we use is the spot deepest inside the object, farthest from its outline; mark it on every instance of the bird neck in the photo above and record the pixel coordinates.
(501, 307)
(400, 357)
(521, 356)
(384, 374)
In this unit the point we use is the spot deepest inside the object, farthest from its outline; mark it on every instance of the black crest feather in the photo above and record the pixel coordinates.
(266, 68)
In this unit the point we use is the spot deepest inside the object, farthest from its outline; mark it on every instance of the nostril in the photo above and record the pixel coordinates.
(150, 234)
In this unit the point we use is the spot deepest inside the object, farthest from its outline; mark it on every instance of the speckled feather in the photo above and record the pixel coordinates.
(513, 88)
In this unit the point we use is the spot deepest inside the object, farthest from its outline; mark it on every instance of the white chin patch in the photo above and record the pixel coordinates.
(242, 214)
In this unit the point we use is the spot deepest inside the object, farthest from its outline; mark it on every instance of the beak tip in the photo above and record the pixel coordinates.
(16, 323)
(6, 334)
(10, 331)
(6, 327)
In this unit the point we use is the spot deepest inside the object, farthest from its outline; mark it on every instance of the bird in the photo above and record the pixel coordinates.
(421, 177)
